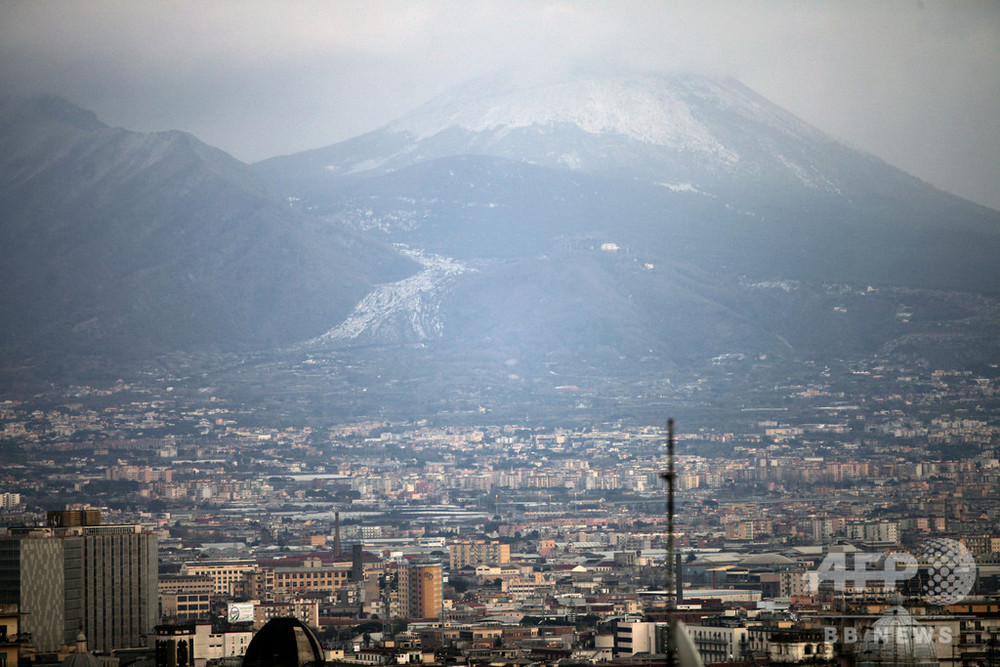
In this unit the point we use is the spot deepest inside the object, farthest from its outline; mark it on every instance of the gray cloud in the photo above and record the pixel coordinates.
(915, 83)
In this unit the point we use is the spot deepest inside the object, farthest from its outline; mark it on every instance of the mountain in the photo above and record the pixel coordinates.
(663, 129)
(505, 240)
(652, 221)
(700, 168)
(124, 244)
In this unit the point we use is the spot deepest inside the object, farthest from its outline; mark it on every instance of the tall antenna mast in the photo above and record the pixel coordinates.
(671, 601)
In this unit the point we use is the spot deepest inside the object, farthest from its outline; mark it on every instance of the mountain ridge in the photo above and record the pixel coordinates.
(477, 175)
(476, 245)
(676, 113)
(116, 241)
(786, 173)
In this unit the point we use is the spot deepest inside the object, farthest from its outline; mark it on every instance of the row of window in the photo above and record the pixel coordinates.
(310, 575)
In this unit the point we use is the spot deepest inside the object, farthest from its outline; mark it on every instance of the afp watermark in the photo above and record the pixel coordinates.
(949, 565)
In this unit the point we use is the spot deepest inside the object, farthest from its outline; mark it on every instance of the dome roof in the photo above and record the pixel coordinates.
(896, 639)
(284, 642)
(80, 659)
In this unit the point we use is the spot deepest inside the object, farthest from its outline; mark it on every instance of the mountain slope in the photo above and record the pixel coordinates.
(556, 235)
(119, 242)
(633, 218)
(674, 163)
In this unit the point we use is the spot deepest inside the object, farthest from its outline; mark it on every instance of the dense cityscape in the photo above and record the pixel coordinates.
(499, 334)
(438, 542)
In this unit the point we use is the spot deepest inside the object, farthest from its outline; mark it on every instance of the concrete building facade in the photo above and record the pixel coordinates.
(79, 575)
(478, 552)
(420, 589)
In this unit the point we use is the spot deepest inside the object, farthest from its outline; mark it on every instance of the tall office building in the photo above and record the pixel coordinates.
(420, 589)
(77, 574)
(119, 580)
(33, 566)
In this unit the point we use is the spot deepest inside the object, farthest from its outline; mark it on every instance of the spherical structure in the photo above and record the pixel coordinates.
(897, 639)
(284, 642)
(81, 657)
(951, 570)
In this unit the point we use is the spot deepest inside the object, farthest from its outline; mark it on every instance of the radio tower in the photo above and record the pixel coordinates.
(671, 601)
(681, 651)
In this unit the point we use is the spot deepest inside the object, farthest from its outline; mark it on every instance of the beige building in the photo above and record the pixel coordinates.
(225, 574)
(312, 575)
(9, 646)
(478, 552)
(724, 642)
(185, 598)
(420, 588)
(306, 611)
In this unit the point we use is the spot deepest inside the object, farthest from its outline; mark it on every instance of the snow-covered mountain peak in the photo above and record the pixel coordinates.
(655, 128)
(647, 109)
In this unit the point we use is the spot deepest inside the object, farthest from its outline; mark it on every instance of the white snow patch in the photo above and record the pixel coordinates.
(809, 177)
(683, 187)
(570, 160)
(365, 165)
(412, 303)
(639, 108)
(783, 285)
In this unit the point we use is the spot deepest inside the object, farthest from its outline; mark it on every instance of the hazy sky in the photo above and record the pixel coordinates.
(914, 82)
